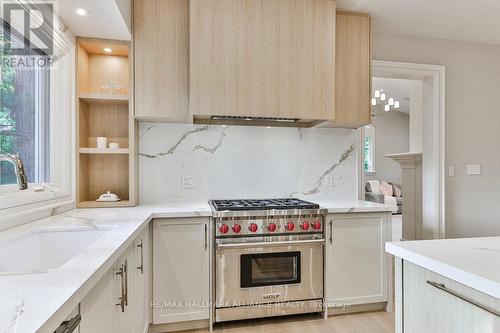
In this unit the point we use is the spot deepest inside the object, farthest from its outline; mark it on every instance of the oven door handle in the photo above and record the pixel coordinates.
(260, 244)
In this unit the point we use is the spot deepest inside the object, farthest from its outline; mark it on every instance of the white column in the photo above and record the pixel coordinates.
(411, 163)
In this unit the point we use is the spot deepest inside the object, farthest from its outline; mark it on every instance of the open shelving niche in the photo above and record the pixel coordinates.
(105, 108)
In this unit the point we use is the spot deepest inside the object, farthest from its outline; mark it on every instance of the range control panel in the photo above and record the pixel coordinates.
(268, 226)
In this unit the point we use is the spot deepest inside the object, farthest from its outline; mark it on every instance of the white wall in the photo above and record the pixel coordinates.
(392, 132)
(245, 162)
(472, 122)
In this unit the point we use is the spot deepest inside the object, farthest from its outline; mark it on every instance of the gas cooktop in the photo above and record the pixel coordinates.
(262, 204)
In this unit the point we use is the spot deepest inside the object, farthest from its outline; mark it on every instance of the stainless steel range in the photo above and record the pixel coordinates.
(268, 258)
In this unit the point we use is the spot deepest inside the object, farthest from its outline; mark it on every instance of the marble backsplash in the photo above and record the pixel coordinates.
(245, 162)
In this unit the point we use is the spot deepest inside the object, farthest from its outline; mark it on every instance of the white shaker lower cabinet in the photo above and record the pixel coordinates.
(98, 307)
(358, 271)
(142, 293)
(181, 276)
(428, 302)
(120, 300)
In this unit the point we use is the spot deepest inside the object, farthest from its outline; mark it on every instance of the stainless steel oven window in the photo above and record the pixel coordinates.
(268, 269)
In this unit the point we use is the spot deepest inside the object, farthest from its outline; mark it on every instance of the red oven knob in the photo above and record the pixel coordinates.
(290, 226)
(236, 228)
(271, 227)
(224, 228)
(252, 227)
(304, 225)
(316, 225)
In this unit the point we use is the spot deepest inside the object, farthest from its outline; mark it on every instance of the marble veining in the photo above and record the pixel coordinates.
(245, 162)
(172, 149)
(12, 303)
(212, 149)
(320, 181)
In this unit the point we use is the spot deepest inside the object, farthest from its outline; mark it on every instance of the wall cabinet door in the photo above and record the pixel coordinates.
(142, 285)
(430, 309)
(262, 58)
(181, 270)
(161, 60)
(353, 70)
(356, 262)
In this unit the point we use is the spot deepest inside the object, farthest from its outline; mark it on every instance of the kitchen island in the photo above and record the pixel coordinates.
(450, 285)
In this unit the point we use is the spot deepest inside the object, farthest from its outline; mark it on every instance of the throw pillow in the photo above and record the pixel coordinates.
(398, 192)
(386, 188)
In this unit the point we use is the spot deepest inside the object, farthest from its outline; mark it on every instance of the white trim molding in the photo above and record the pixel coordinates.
(433, 150)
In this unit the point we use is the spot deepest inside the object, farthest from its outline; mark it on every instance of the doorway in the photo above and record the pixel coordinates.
(428, 81)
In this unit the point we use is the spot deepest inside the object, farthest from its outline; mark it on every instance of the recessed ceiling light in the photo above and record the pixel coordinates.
(81, 12)
(108, 50)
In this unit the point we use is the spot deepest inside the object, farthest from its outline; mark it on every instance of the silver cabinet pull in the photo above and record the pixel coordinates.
(141, 267)
(122, 297)
(331, 232)
(206, 237)
(125, 272)
(442, 287)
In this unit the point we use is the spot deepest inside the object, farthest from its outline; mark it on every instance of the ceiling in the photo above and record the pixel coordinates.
(397, 88)
(473, 21)
(105, 19)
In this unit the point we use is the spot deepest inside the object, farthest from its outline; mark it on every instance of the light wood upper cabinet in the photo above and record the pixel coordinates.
(353, 69)
(161, 60)
(262, 58)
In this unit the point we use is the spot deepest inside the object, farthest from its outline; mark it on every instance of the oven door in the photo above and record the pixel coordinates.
(258, 270)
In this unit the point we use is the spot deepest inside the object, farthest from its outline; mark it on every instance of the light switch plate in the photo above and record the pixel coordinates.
(187, 181)
(473, 169)
(451, 171)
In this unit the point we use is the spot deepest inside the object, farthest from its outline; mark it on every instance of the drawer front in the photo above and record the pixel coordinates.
(433, 303)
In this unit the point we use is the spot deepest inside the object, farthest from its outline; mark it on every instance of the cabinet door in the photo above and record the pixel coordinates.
(353, 70)
(357, 265)
(181, 270)
(161, 60)
(262, 58)
(98, 307)
(142, 286)
(430, 309)
(125, 285)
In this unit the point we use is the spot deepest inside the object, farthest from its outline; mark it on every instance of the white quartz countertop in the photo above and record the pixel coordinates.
(356, 206)
(473, 262)
(40, 301)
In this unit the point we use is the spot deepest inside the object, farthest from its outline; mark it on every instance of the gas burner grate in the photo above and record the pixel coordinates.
(262, 204)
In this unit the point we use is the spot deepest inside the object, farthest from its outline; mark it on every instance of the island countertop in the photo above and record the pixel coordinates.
(474, 262)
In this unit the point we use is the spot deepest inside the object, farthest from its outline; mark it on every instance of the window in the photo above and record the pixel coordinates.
(24, 119)
(369, 149)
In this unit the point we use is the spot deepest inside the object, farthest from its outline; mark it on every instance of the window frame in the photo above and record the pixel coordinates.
(372, 135)
(54, 143)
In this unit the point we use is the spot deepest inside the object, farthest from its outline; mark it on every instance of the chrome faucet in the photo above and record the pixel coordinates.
(22, 180)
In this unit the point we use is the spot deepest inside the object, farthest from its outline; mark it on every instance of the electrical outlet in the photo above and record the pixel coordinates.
(187, 182)
(451, 171)
(328, 181)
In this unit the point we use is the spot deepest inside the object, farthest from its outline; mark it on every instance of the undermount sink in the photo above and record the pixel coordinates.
(44, 249)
